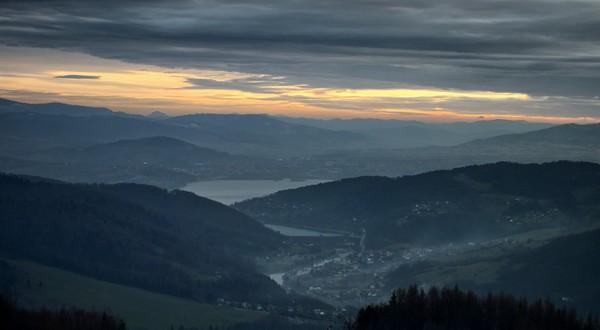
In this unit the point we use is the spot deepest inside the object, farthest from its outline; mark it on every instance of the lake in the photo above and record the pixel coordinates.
(231, 191)
(299, 232)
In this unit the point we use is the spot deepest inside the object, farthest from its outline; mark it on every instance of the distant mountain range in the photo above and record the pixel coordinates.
(86, 144)
(568, 136)
(56, 108)
(390, 133)
(27, 127)
(469, 203)
(564, 142)
(320, 134)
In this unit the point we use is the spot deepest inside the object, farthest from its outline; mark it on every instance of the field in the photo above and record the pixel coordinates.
(53, 288)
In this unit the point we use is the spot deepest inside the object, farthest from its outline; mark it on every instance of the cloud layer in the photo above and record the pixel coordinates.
(543, 48)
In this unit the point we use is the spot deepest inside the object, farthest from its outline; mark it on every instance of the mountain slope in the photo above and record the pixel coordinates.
(565, 269)
(454, 205)
(140, 309)
(169, 242)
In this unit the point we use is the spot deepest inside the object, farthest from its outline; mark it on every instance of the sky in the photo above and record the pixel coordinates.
(430, 60)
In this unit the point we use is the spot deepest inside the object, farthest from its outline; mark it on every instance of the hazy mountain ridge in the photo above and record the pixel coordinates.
(564, 142)
(162, 161)
(391, 133)
(57, 108)
(161, 150)
(442, 206)
(59, 125)
(56, 145)
(571, 135)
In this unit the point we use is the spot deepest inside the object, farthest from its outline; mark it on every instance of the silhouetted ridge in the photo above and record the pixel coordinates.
(13, 317)
(446, 309)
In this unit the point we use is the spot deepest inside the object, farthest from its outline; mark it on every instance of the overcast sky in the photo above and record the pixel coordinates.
(421, 59)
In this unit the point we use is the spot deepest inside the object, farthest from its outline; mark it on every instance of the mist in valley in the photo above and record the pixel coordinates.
(240, 165)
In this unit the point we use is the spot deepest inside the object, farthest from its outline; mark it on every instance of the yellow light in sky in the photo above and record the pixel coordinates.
(405, 93)
(145, 88)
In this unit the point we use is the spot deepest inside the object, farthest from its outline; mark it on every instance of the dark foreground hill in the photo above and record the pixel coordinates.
(13, 317)
(142, 236)
(445, 309)
(469, 203)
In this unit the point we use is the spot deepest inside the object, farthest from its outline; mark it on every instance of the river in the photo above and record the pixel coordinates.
(299, 232)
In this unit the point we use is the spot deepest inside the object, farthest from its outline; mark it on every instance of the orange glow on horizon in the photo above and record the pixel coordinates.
(145, 88)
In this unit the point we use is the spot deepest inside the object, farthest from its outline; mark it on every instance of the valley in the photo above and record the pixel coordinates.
(266, 235)
(342, 274)
(299, 165)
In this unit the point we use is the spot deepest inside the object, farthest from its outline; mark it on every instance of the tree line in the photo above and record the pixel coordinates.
(13, 317)
(454, 309)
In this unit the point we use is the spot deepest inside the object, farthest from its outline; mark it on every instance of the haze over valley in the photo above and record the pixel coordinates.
(299, 165)
(316, 247)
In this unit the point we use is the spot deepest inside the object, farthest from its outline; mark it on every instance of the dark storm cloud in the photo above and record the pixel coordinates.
(76, 76)
(541, 47)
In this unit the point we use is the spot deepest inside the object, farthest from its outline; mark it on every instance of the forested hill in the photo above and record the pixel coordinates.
(442, 206)
(445, 309)
(171, 242)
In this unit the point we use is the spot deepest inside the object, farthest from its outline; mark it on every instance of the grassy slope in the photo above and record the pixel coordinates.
(139, 308)
(486, 268)
(479, 266)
